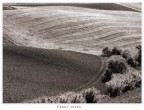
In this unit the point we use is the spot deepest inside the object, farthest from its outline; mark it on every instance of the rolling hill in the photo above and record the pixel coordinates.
(29, 73)
(49, 50)
(72, 28)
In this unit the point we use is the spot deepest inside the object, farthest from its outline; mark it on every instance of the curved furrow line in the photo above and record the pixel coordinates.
(93, 80)
(97, 33)
(79, 32)
(73, 27)
(112, 38)
(87, 23)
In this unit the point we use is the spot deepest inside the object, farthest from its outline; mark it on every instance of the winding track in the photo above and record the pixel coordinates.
(96, 78)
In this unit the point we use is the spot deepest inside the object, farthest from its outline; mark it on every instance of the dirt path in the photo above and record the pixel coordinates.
(95, 79)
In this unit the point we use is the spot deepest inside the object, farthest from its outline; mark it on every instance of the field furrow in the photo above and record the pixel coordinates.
(75, 27)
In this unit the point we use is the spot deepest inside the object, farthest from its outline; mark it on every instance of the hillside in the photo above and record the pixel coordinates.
(51, 49)
(72, 28)
(29, 73)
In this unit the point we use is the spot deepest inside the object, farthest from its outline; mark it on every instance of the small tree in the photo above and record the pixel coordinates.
(106, 52)
(107, 76)
(116, 51)
(117, 64)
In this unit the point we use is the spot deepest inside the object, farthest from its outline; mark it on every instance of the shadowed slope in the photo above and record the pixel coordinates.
(30, 73)
(134, 6)
(104, 6)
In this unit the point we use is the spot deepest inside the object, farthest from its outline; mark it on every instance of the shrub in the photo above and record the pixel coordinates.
(121, 83)
(132, 55)
(106, 52)
(107, 76)
(129, 58)
(90, 95)
(70, 97)
(136, 75)
(116, 64)
(132, 62)
(42, 100)
(116, 51)
(126, 54)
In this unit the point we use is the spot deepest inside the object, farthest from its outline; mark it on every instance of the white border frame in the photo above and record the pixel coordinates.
(24, 106)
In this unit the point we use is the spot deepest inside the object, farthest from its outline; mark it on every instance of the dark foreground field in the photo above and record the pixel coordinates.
(30, 73)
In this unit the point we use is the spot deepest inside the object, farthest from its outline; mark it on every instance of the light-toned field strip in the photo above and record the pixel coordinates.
(72, 28)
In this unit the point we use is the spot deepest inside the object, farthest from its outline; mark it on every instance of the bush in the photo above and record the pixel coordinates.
(121, 83)
(106, 52)
(132, 55)
(90, 95)
(70, 97)
(136, 75)
(107, 76)
(132, 62)
(116, 64)
(116, 51)
(126, 54)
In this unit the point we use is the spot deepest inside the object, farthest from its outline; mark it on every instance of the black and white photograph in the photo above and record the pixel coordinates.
(72, 52)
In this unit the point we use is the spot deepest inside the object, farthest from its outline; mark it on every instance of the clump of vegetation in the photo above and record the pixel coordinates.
(90, 95)
(70, 97)
(106, 52)
(126, 54)
(114, 65)
(116, 51)
(121, 83)
(121, 75)
(133, 57)
(107, 76)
